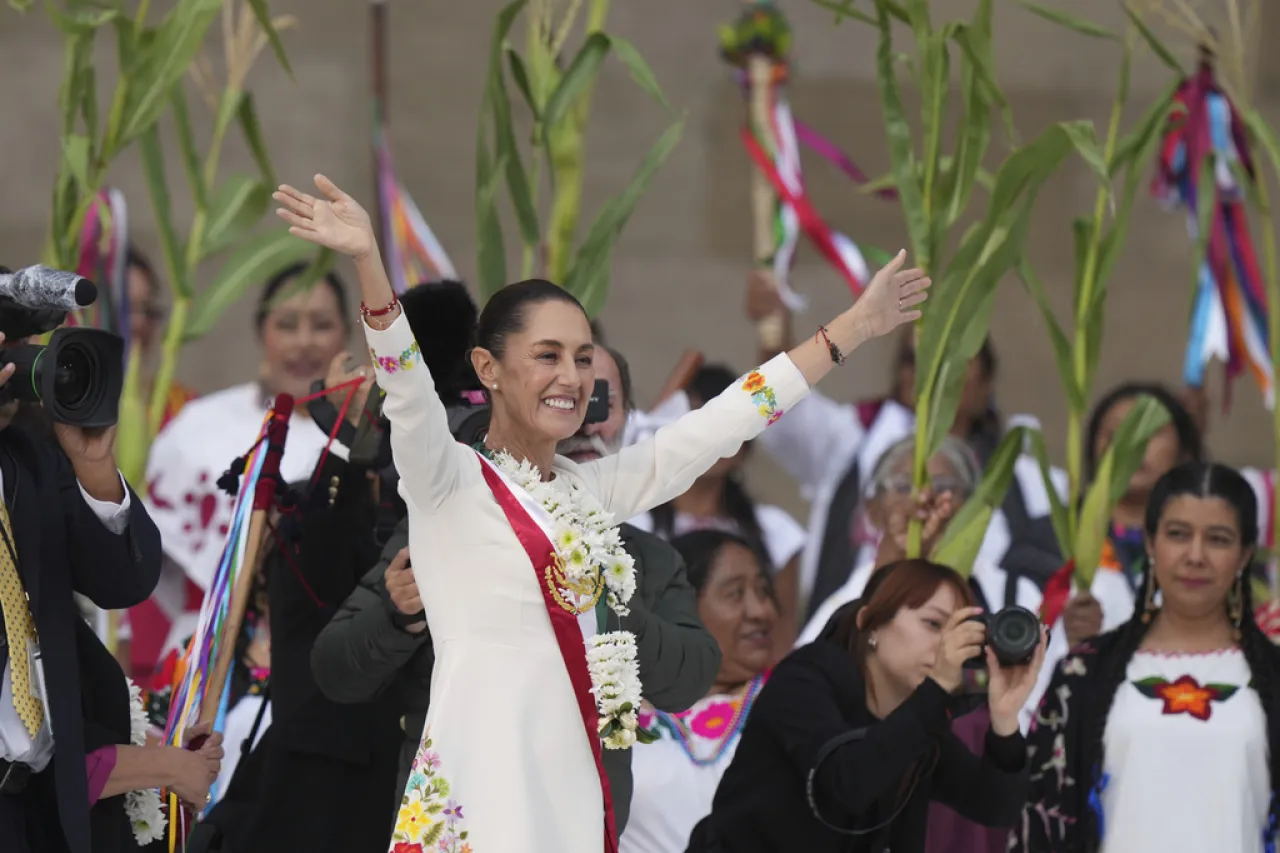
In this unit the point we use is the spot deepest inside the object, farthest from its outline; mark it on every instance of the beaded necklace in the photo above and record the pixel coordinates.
(679, 729)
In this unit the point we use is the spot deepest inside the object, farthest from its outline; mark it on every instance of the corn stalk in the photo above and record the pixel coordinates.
(1081, 522)
(558, 97)
(936, 189)
(153, 62)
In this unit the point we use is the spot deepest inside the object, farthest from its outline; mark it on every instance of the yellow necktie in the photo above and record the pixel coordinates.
(19, 628)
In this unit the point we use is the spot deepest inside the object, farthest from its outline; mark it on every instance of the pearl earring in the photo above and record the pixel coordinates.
(495, 386)
(872, 642)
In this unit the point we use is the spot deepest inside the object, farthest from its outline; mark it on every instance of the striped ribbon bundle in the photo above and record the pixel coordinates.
(796, 212)
(414, 255)
(1205, 151)
(192, 673)
(104, 241)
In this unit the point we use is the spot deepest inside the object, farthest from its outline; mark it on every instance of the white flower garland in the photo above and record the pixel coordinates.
(146, 815)
(587, 540)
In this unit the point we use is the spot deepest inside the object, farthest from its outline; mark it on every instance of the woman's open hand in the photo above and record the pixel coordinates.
(336, 221)
(1009, 686)
(891, 299)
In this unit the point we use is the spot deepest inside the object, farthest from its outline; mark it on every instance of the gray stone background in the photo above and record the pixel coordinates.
(679, 270)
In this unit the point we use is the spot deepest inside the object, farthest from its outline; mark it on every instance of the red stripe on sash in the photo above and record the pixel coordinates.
(568, 633)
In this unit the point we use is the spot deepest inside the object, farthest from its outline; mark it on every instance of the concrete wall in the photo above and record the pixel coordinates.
(689, 240)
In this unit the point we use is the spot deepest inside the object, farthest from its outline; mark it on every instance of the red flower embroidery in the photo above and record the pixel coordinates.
(1186, 695)
(402, 847)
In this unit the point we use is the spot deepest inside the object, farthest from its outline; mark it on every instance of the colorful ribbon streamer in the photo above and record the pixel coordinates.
(780, 163)
(104, 242)
(1229, 316)
(414, 255)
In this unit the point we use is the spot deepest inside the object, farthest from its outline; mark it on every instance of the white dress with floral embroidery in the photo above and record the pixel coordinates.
(505, 765)
(1185, 757)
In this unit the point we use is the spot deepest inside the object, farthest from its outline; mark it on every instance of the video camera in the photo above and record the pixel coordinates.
(79, 375)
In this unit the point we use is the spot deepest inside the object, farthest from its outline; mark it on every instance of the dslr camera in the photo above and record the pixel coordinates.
(79, 375)
(1012, 633)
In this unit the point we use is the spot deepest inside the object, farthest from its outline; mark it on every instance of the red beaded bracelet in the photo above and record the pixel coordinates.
(366, 311)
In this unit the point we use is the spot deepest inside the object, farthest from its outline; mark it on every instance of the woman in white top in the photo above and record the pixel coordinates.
(719, 500)
(527, 582)
(953, 471)
(676, 776)
(1161, 736)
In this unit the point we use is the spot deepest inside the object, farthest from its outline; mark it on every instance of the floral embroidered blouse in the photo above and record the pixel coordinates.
(1185, 758)
(675, 777)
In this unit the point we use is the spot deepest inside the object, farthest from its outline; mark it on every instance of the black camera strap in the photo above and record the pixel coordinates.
(918, 773)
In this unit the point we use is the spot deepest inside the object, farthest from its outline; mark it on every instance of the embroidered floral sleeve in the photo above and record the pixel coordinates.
(1048, 823)
(663, 466)
(429, 461)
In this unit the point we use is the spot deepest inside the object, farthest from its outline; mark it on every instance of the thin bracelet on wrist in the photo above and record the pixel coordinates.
(837, 357)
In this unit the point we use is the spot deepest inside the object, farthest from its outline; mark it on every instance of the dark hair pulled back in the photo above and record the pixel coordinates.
(1190, 446)
(699, 548)
(507, 310)
(1201, 480)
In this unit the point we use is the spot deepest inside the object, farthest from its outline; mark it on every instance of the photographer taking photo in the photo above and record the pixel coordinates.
(68, 524)
(851, 737)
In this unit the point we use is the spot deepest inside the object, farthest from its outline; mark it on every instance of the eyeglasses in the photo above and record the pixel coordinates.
(902, 485)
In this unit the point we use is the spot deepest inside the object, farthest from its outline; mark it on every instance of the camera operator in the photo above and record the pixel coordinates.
(851, 737)
(68, 524)
(379, 639)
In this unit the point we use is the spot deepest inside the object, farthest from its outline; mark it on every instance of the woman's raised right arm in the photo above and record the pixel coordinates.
(429, 461)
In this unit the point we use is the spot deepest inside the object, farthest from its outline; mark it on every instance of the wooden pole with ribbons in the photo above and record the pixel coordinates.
(757, 45)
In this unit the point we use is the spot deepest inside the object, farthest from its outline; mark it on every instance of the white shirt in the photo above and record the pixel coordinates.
(783, 536)
(15, 743)
(1186, 766)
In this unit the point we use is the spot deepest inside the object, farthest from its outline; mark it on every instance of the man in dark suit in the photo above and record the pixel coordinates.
(70, 524)
(378, 640)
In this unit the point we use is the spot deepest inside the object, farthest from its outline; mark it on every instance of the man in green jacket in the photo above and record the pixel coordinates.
(378, 639)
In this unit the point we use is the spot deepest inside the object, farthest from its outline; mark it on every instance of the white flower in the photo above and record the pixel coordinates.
(590, 548)
(146, 814)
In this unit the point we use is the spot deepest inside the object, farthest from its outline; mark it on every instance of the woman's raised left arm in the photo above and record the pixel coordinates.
(663, 466)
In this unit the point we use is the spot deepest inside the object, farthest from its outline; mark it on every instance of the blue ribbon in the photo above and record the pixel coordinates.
(1095, 803)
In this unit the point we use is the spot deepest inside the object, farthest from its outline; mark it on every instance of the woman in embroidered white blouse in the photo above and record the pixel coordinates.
(524, 551)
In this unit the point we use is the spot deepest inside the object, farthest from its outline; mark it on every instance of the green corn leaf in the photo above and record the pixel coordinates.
(955, 324)
(76, 22)
(253, 262)
(1157, 47)
(263, 14)
(1264, 136)
(21, 5)
(505, 146)
(238, 205)
(247, 114)
(1117, 467)
(1057, 337)
(974, 135)
(132, 440)
(898, 132)
(588, 278)
(975, 42)
(1059, 516)
(640, 70)
(961, 541)
(72, 94)
(187, 147)
(577, 79)
(171, 246)
(491, 252)
(1080, 25)
(163, 63)
(75, 160)
(521, 75)
(935, 84)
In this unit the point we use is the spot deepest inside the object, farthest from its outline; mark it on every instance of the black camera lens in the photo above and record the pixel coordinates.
(78, 377)
(1013, 634)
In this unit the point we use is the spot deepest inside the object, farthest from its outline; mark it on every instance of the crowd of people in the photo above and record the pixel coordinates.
(508, 609)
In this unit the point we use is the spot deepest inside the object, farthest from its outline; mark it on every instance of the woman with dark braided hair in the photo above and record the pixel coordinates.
(1163, 734)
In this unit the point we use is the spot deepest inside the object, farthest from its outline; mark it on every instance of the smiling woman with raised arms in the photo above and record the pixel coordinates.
(525, 551)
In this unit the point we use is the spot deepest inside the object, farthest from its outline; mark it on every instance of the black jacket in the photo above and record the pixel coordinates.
(363, 651)
(63, 548)
(816, 695)
(347, 753)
